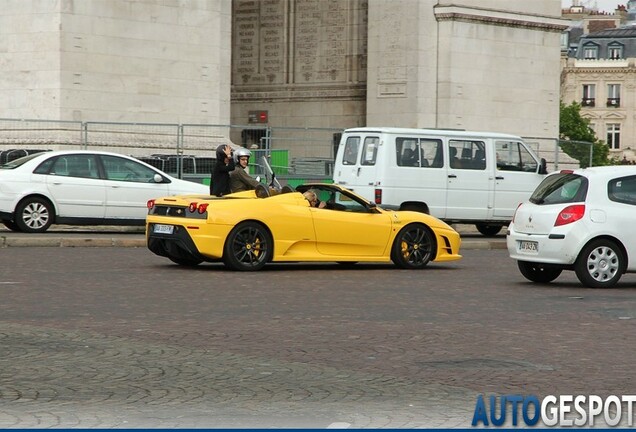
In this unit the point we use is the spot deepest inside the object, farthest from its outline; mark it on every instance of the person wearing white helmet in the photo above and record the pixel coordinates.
(240, 180)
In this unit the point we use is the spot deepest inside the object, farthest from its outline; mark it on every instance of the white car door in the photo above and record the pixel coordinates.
(74, 184)
(129, 186)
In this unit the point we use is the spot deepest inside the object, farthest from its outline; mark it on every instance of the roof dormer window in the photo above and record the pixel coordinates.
(615, 51)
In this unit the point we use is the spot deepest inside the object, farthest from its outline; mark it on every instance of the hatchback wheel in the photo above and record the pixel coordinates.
(600, 264)
(536, 272)
(413, 247)
(248, 247)
(34, 215)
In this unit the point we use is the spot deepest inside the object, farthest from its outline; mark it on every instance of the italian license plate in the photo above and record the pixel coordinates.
(163, 229)
(529, 247)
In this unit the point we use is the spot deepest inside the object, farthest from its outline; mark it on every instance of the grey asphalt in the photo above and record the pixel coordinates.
(132, 236)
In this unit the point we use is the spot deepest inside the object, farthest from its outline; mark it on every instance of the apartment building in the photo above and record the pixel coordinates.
(599, 72)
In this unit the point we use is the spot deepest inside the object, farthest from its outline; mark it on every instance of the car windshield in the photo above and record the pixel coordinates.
(560, 188)
(17, 162)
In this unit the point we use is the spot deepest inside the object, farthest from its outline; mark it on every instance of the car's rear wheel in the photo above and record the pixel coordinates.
(600, 264)
(248, 247)
(11, 225)
(413, 247)
(537, 272)
(488, 230)
(34, 215)
(185, 261)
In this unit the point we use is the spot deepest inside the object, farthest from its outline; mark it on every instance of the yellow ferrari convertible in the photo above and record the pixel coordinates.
(248, 229)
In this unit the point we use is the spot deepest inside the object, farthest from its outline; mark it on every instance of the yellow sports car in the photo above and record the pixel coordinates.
(248, 229)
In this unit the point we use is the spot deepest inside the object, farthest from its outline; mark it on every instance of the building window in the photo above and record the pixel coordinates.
(590, 52)
(614, 95)
(589, 95)
(615, 51)
(614, 136)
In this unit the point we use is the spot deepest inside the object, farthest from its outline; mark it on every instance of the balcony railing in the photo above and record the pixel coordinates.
(588, 102)
(614, 102)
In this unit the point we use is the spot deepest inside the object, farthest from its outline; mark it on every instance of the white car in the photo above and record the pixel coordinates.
(581, 220)
(82, 188)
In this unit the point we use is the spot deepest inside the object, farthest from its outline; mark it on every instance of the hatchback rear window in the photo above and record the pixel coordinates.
(560, 188)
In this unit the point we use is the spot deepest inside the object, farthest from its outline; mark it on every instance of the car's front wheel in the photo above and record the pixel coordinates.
(537, 272)
(248, 247)
(413, 247)
(34, 215)
(600, 264)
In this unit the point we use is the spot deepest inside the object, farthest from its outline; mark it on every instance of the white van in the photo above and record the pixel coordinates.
(458, 176)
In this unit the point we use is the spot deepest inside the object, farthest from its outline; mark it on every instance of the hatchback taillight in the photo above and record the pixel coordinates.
(570, 214)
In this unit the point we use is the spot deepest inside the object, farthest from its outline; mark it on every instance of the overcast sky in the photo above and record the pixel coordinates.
(603, 5)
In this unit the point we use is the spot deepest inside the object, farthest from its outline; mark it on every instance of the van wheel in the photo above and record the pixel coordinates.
(488, 230)
(600, 264)
(413, 247)
(539, 273)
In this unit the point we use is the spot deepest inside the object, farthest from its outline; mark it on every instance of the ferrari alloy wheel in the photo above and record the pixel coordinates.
(248, 247)
(536, 272)
(34, 215)
(413, 247)
(600, 264)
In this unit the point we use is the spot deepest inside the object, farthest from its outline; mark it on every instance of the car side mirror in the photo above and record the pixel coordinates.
(157, 178)
(543, 166)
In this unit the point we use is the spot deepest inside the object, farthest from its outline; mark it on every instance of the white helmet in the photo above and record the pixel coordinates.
(241, 152)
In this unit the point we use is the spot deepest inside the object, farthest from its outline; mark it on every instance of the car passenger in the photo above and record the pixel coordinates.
(240, 180)
(220, 184)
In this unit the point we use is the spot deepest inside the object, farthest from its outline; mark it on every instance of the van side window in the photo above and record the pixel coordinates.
(514, 156)
(350, 156)
(419, 152)
(467, 154)
(370, 150)
(407, 152)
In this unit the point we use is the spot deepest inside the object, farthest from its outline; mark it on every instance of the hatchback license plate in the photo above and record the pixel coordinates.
(163, 229)
(529, 247)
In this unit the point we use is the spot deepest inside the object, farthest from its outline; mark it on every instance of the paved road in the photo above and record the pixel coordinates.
(117, 337)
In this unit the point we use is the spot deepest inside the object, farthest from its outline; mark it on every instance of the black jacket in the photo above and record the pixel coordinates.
(220, 179)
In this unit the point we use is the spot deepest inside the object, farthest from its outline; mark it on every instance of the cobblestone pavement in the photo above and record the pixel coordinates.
(117, 337)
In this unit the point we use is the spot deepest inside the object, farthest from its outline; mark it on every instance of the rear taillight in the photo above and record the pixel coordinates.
(150, 204)
(195, 207)
(570, 214)
(378, 196)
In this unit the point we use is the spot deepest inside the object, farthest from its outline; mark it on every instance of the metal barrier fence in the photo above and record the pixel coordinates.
(184, 150)
(187, 150)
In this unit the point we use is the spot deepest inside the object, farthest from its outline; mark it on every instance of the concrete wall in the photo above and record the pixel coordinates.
(138, 60)
(463, 65)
